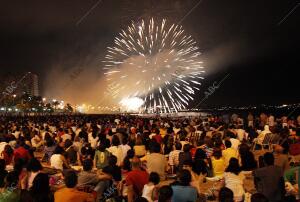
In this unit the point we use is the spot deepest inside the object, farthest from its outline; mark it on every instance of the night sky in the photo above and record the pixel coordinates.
(255, 42)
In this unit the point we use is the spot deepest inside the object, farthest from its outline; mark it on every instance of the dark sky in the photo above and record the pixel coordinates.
(255, 42)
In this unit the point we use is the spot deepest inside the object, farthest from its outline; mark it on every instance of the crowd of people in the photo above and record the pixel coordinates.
(130, 158)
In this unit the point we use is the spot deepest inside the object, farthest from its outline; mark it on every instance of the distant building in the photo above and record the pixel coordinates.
(18, 84)
(29, 84)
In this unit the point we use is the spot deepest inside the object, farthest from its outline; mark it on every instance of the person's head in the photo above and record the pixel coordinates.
(135, 163)
(186, 148)
(58, 150)
(70, 178)
(115, 140)
(154, 147)
(130, 153)
(178, 146)
(8, 150)
(233, 166)
(200, 154)
(225, 195)
(165, 193)
(227, 144)
(154, 178)
(40, 184)
(258, 197)
(185, 177)
(34, 165)
(199, 167)
(87, 164)
(49, 142)
(217, 153)
(268, 159)
(112, 160)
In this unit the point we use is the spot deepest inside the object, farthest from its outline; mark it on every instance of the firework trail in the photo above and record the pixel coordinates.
(156, 62)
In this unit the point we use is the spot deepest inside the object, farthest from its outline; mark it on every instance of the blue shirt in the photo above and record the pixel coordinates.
(184, 194)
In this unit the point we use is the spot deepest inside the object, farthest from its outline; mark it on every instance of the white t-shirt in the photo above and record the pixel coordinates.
(56, 161)
(235, 183)
(125, 148)
(147, 192)
(116, 151)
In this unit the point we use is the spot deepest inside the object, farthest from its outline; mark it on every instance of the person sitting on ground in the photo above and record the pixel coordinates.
(234, 179)
(21, 152)
(218, 164)
(165, 194)
(281, 160)
(49, 148)
(139, 148)
(57, 160)
(34, 167)
(268, 180)
(116, 149)
(127, 160)
(174, 157)
(39, 191)
(185, 156)
(247, 159)
(150, 190)
(101, 156)
(225, 195)
(155, 161)
(182, 191)
(136, 179)
(10, 192)
(71, 154)
(70, 193)
(229, 152)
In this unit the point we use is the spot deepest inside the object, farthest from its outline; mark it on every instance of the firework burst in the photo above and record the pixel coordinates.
(154, 61)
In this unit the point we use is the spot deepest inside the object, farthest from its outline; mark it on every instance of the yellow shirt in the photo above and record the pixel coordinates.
(218, 166)
(228, 154)
(72, 195)
(139, 150)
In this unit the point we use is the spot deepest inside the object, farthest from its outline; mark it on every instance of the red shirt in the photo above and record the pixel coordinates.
(21, 152)
(158, 138)
(137, 178)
